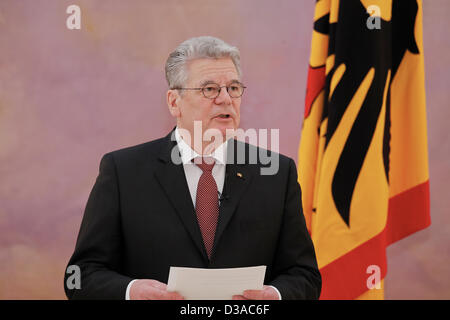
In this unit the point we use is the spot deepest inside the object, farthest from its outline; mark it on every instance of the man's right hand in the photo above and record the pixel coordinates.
(147, 289)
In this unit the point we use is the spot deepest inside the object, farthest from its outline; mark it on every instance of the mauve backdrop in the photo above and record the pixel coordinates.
(69, 96)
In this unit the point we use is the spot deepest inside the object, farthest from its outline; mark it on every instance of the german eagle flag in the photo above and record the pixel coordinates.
(363, 163)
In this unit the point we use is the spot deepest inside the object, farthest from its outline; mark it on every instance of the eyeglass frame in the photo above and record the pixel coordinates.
(218, 92)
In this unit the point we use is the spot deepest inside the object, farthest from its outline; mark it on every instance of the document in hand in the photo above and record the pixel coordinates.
(215, 284)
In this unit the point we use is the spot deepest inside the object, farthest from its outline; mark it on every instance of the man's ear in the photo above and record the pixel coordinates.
(173, 99)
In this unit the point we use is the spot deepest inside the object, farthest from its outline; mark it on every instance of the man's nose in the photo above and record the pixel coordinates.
(223, 97)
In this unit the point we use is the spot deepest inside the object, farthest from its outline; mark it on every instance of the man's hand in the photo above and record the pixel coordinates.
(152, 290)
(267, 293)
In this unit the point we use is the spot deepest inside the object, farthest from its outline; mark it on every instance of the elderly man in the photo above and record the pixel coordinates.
(183, 201)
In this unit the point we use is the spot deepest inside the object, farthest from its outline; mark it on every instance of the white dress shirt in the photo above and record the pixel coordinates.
(193, 173)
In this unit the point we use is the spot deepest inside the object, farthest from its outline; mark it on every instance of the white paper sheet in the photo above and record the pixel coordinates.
(215, 284)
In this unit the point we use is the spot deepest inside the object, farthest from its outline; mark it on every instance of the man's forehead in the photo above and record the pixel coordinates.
(204, 69)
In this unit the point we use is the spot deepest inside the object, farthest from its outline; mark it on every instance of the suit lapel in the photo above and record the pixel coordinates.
(237, 179)
(172, 179)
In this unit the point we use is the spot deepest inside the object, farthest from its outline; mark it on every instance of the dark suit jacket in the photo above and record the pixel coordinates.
(140, 220)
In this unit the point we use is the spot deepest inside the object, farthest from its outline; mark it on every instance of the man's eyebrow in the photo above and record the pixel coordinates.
(206, 82)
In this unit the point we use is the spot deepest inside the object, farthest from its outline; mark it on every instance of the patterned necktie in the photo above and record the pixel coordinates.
(207, 203)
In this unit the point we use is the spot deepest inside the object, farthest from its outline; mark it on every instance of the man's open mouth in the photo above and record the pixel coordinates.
(223, 116)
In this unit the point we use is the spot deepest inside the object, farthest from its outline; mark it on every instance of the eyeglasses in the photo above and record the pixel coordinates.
(212, 90)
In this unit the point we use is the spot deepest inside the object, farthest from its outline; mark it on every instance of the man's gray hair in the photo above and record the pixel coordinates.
(198, 48)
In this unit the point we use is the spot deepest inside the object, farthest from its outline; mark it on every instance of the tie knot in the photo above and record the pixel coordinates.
(205, 163)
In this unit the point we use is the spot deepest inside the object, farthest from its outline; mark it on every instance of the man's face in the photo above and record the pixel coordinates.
(221, 113)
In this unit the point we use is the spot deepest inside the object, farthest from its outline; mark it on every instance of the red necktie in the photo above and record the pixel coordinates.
(207, 203)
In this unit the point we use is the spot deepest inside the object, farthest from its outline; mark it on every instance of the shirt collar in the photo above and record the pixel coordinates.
(187, 153)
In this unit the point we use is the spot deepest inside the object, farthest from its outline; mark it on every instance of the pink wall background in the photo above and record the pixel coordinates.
(69, 96)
